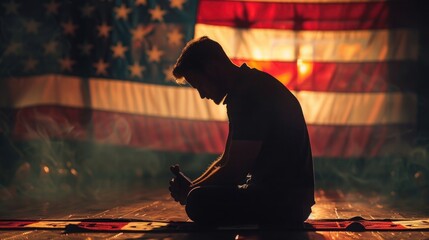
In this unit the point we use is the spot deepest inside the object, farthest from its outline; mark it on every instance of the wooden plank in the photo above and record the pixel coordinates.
(157, 205)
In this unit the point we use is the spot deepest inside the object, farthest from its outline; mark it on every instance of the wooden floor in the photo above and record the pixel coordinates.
(155, 204)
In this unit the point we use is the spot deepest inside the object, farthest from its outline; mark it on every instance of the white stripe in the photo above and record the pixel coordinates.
(156, 100)
(336, 46)
(185, 103)
(43, 89)
(325, 108)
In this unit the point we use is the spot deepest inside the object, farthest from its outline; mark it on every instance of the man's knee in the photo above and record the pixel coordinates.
(195, 202)
(211, 204)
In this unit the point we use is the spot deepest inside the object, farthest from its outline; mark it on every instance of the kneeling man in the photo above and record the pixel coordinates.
(265, 174)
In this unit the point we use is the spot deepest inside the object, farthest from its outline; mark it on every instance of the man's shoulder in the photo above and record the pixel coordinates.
(256, 87)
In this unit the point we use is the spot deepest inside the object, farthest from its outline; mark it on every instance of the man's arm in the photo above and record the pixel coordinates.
(235, 164)
(216, 164)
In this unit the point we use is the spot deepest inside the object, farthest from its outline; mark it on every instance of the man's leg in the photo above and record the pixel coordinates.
(233, 205)
(220, 205)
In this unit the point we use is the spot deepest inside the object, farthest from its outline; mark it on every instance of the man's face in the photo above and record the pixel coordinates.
(207, 86)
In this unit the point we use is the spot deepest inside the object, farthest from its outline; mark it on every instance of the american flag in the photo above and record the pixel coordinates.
(100, 70)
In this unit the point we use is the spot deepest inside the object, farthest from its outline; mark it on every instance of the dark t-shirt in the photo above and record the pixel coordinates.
(261, 108)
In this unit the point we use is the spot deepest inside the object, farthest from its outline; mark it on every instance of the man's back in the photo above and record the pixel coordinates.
(263, 109)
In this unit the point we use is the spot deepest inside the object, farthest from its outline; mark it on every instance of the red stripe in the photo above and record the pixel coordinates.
(15, 224)
(178, 135)
(120, 129)
(359, 141)
(50, 122)
(160, 133)
(342, 77)
(102, 226)
(307, 16)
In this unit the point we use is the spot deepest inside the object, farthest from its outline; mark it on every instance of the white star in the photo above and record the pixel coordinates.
(11, 7)
(66, 64)
(154, 54)
(136, 70)
(50, 47)
(103, 30)
(141, 31)
(119, 50)
(52, 8)
(32, 26)
(85, 48)
(177, 4)
(175, 37)
(140, 2)
(168, 72)
(157, 13)
(87, 10)
(101, 67)
(13, 48)
(122, 12)
(30, 64)
(69, 27)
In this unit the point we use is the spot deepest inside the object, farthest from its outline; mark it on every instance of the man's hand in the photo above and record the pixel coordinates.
(179, 185)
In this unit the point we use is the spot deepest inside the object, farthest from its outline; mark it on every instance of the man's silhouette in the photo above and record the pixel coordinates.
(265, 174)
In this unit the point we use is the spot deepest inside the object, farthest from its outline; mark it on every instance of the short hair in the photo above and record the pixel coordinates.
(197, 54)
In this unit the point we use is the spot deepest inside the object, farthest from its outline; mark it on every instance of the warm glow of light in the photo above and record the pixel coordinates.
(256, 53)
(286, 51)
(305, 68)
(181, 81)
(306, 51)
(73, 171)
(350, 49)
(285, 78)
(46, 169)
(261, 65)
(418, 174)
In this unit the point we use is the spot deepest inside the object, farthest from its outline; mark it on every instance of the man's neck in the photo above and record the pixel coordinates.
(234, 76)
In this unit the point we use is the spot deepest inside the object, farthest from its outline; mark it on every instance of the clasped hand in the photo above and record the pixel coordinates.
(180, 185)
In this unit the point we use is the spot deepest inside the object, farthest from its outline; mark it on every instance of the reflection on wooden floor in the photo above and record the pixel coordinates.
(155, 204)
